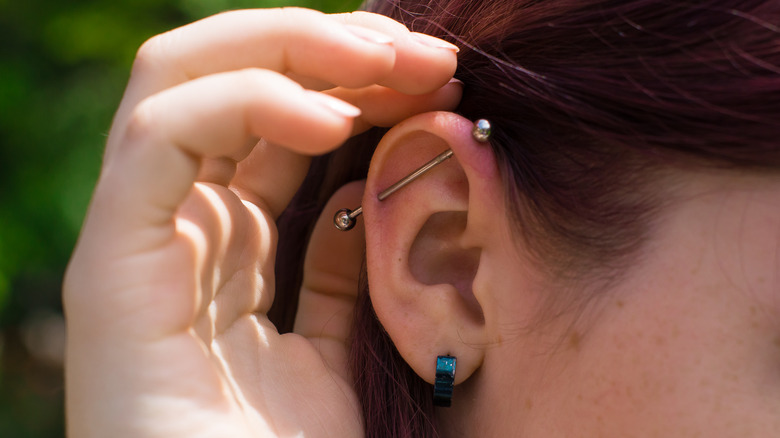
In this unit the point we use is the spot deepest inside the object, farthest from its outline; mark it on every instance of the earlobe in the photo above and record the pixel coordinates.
(424, 244)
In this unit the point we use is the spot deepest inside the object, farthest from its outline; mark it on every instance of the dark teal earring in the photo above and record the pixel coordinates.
(445, 379)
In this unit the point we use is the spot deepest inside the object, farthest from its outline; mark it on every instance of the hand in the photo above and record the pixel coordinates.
(168, 287)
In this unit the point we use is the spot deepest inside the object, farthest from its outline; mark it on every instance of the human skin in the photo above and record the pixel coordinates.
(168, 287)
(685, 343)
(167, 290)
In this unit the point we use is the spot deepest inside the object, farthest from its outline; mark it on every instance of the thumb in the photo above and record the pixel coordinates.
(330, 281)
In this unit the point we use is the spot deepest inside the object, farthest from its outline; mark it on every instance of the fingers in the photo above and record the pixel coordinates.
(257, 178)
(330, 280)
(350, 50)
(385, 107)
(234, 237)
(214, 116)
(422, 64)
(300, 40)
(270, 176)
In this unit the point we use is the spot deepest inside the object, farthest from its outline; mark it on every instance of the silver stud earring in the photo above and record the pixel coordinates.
(345, 218)
(482, 130)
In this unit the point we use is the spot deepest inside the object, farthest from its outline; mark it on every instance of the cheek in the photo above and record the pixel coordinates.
(627, 368)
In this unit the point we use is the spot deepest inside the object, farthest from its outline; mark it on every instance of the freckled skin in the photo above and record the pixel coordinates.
(687, 345)
(574, 341)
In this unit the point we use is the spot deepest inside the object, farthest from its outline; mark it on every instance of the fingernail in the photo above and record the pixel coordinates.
(455, 81)
(437, 43)
(369, 35)
(336, 105)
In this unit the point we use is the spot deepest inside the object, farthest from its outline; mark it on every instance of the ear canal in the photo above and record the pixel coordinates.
(436, 256)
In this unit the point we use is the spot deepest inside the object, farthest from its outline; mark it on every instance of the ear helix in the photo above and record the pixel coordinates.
(345, 218)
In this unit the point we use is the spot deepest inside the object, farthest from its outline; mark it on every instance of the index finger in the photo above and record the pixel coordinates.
(351, 50)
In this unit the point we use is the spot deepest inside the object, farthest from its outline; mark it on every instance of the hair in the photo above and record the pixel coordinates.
(594, 103)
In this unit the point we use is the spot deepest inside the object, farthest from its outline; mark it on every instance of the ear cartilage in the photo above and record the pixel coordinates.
(345, 218)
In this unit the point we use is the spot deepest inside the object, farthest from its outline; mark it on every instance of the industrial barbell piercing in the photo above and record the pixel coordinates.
(345, 218)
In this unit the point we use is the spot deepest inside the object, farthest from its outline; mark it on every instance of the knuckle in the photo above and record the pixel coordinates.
(251, 78)
(251, 81)
(141, 125)
(258, 82)
(154, 53)
(147, 52)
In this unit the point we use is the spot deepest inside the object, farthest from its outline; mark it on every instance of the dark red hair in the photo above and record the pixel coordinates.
(595, 103)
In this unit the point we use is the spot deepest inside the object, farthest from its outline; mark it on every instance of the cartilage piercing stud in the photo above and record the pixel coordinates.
(345, 218)
(482, 130)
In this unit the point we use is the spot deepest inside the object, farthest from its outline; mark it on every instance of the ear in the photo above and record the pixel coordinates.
(426, 244)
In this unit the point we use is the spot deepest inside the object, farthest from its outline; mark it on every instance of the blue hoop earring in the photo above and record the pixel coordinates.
(445, 379)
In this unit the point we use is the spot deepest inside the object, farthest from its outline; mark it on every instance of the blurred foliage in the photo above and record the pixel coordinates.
(63, 68)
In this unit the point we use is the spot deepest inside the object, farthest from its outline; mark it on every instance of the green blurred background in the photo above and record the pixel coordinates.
(63, 68)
